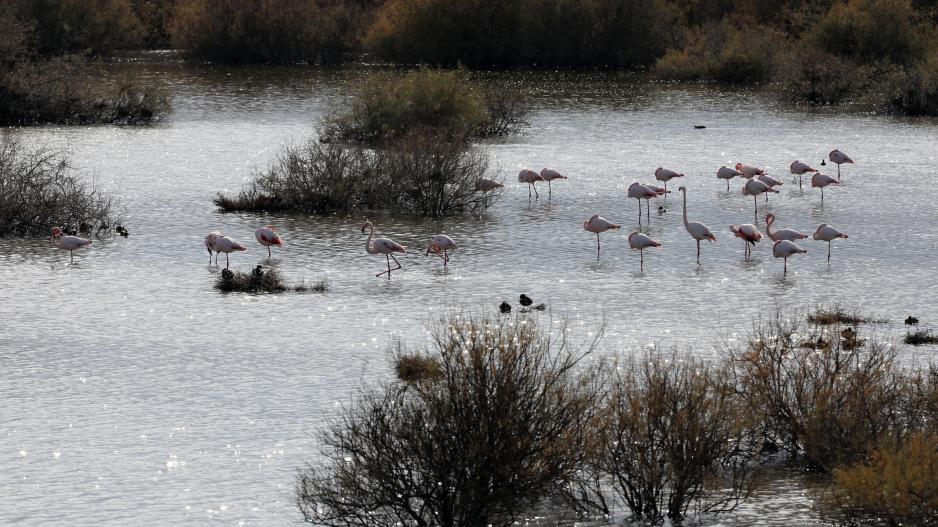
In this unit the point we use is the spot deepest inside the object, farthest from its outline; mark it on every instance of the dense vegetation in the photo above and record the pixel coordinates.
(497, 418)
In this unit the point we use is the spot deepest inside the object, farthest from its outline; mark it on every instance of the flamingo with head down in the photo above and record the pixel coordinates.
(441, 243)
(210, 245)
(749, 234)
(530, 177)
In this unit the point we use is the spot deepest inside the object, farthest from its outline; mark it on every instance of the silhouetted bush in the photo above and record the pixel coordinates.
(505, 426)
(913, 90)
(745, 54)
(819, 77)
(873, 30)
(39, 190)
(264, 31)
(920, 337)
(95, 27)
(264, 280)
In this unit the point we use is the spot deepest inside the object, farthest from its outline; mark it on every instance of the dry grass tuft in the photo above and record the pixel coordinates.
(416, 368)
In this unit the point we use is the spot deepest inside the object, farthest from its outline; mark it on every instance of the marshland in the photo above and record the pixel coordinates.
(136, 391)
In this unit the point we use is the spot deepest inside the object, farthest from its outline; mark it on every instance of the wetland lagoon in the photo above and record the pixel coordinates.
(136, 393)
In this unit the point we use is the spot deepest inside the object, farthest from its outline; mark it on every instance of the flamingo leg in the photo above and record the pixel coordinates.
(755, 204)
(639, 211)
(209, 255)
(535, 191)
(727, 185)
(799, 182)
(698, 252)
(71, 257)
(822, 194)
(445, 257)
(597, 246)
(268, 252)
(549, 191)
(786, 266)
(226, 260)
(838, 171)
(647, 209)
(642, 260)
(829, 249)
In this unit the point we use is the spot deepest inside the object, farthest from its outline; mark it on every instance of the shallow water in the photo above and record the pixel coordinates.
(135, 393)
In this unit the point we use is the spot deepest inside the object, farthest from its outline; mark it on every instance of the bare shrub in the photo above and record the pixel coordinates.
(816, 76)
(839, 314)
(39, 190)
(920, 337)
(505, 426)
(673, 439)
(95, 27)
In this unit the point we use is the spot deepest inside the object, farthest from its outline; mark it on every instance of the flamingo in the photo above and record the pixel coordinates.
(748, 171)
(750, 235)
(224, 244)
(798, 168)
(785, 249)
(548, 175)
(210, 244)
(822, 180)
(838, 157)
(727, 173)
(382, 246)
(641, 242)
(68, 243)
(781, 234)
(441, 243)
(640, 192)
(754, 187)
(597, 224)
(770, 181)
(828, 234)
(267, 237)
(530, 177)
(697, 230)
(487, 185)
(665, 174)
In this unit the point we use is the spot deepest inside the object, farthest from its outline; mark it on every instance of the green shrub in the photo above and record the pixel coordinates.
(873, 30)
(913, 90)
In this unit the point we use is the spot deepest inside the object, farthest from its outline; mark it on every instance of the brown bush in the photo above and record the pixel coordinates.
(873, 30)
(96, 27)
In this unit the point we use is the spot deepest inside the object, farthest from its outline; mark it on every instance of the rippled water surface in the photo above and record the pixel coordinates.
(133, 393)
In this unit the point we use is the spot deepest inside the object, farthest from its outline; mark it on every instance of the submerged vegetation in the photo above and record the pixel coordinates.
(39, 190)
(839, 314)
(661, 436)
(262, 280)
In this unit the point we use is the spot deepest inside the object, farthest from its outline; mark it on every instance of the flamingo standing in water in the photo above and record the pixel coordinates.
(665, 174)
(748, 171)
(785, 249)
(210, 244)
(753, 188)
(828, 234)
(727, 173)
(750, 235)
(68, 243)
(441, 243)
(781, 234)
(798, 168)
(697, 230)
(838, 157)
(770, 181)
(224, 244)
(382, 246)
(487, 185)
(640, 192)
(267, 237)
(548, 175)
(530, 177)
(597, 224)
(822, 180)
(641, 242)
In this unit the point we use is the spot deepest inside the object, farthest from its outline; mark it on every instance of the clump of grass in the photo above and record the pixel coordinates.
(838, 314)
(320, 286)
(415, 368)
(261, 280)
(921, 337)
(39, 190)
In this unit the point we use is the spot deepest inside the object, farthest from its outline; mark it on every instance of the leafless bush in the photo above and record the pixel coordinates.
(39, 190)
(263, 280)
(839, 314)
(504, 426)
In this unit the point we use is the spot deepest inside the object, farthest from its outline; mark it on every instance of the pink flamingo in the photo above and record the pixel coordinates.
(754, 187)
(530, 177)
(697, 230)
(828, 234)
(441, 243)
(665, 174)
(68, 243)
(770, 181)
(785, 249)
(267, 237)
(781, 234)
(548, 175)
(640, 192)
(822, 180)
(597, 224)
(749, 171)
(727, 173)
(750, 235)
(224, 244)
(838, 157)
(641, 242)
(798, 168)
(382, 246)
(210, 244)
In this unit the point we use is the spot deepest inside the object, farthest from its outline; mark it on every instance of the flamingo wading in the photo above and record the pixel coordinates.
(382, 246)
(665, 174)
(210, 245)
(749, 234)
(822, 180)
(68, 243)
(786, 249)
(597, 224)
(828, 234)
(267, 237)
(838, 157)
(727, 173)
(641, 242)
(754, 187)
(441, 243)
(224, 244)
(781, 234)
(548, 175)
(697, 230)
(530, 177)
(640, 192)
(799, 169)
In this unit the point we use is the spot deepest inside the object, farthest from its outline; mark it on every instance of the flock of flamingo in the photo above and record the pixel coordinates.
(757, 183)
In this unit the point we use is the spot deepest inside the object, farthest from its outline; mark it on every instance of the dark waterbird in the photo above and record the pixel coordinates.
(911, 321)
(699, 126)
(504, 307)
(227, 274)
(258, 272)
(524, 300)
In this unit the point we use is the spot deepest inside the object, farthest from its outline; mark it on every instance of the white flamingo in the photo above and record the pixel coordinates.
(749, 171)
(641, 242)
(382, 246)
(441, 243)
(786, 249)
(838, 157)
(548, 175)
(597, 224)
(750, 235)
(530, 177)
(754, 187)
(770, 181)
(224, 244)
(798, 168)
(828, 234)
(781, 234)
(487, 185)
(210, 245)
(665, 175)
(697, 230)
(727, 173)
(267, 237)
(640, 192)
(819, 180)
(68, 243)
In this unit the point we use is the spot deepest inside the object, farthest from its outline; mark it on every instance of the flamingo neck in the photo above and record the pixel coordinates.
(368, 247)
(684, 194)
(768, 225)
